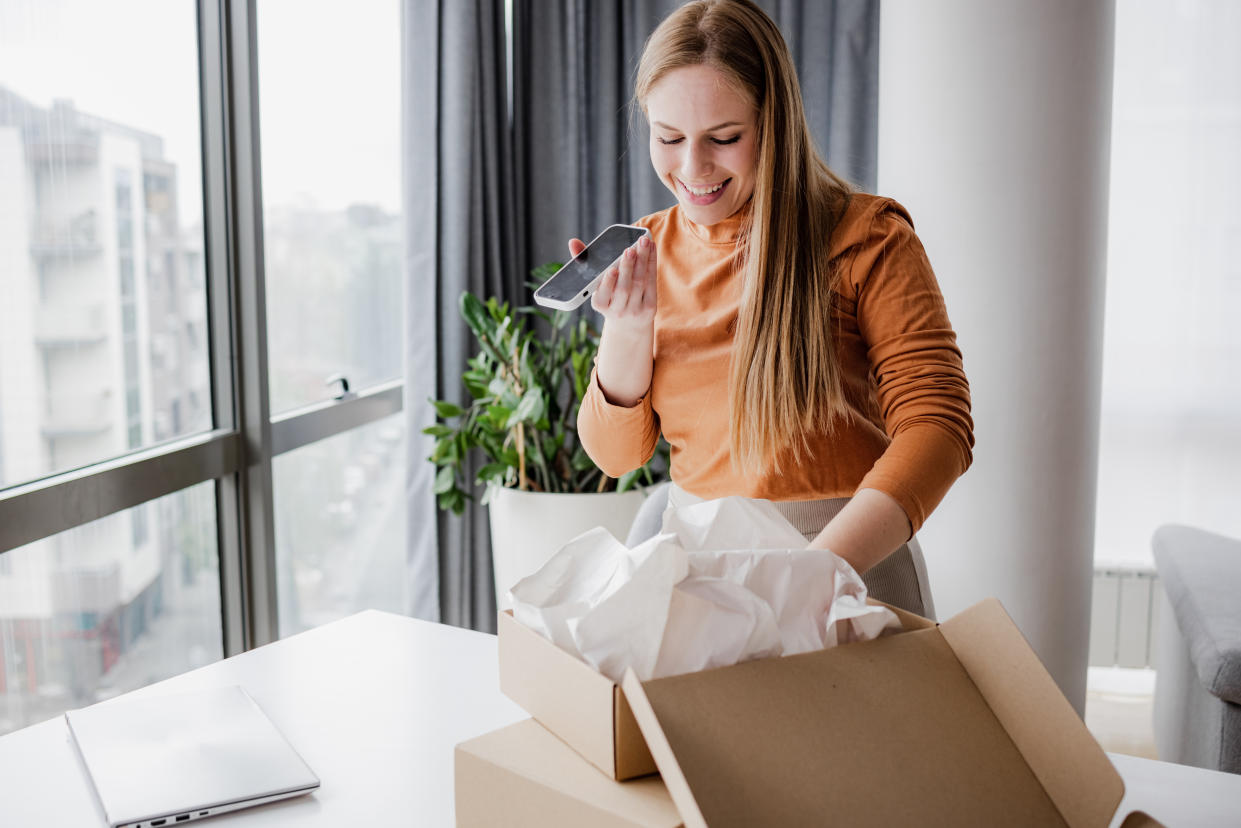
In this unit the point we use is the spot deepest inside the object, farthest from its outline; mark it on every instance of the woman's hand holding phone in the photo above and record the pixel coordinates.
(627, 299)
(627, 292)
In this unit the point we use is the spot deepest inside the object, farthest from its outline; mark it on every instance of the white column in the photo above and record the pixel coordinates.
(994, 130)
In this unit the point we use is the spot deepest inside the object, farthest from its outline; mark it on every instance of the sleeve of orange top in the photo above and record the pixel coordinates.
(923, 395)
(617, 438)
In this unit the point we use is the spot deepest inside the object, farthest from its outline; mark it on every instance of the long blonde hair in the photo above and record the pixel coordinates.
(785, 376)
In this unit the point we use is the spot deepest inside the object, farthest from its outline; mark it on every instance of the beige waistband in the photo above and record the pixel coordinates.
(807, 516)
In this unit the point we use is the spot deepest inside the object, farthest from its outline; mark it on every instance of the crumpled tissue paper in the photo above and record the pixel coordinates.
(726, 581)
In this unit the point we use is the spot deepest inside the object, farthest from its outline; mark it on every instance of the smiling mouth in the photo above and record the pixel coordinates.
(704, 195)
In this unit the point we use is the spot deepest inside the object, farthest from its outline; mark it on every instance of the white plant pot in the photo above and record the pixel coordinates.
(527, 528)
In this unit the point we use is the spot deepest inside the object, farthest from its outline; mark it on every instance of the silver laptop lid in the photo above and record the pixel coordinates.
(167, 760)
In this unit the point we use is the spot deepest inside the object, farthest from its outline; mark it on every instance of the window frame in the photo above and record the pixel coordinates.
(237, 453)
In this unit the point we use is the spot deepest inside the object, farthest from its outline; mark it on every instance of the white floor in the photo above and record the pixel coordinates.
(1119, 709)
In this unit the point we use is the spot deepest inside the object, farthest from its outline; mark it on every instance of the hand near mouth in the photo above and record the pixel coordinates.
(627, 293)
(626, 298)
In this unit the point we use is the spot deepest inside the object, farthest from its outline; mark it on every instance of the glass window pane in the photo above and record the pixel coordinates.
(331, 195)
(1171, 405)
(340, 526)
(102, 321)
(110, 606)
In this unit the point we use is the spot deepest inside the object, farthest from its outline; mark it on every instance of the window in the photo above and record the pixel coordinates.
(331, 196)
(340, 526)
(1170, 448)
(84, 127)
(134, 482)
(105, 608)
(333, 273)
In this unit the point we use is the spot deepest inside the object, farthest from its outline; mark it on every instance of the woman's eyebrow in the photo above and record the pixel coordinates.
(662, 125)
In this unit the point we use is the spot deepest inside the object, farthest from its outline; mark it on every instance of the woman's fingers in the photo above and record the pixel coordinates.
(641, 278)
(576, 246)
(628, 288)
(624, 280)
(602, 300)
(652, 270)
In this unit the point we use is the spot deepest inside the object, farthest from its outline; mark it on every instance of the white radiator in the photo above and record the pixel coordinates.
(1123, 613)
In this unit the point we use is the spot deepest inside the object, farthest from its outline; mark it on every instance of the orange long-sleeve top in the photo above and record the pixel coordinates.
(902, 371)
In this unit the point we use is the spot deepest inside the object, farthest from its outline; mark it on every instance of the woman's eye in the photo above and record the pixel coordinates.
(725, 141)
(670, 140)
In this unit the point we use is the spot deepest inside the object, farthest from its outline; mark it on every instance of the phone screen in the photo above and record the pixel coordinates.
(576, 276)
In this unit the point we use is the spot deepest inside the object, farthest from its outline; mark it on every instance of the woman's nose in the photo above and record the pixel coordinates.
(695, 163)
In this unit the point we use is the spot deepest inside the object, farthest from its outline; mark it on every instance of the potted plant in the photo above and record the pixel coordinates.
(541, 487)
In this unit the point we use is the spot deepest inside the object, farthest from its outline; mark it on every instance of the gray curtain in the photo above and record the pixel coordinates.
(582, 153)
(459, 199)
(488, 198)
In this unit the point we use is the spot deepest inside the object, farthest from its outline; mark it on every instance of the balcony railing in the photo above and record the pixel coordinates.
(58, 325)
(78, 236)
(61, 146)
(78, 412)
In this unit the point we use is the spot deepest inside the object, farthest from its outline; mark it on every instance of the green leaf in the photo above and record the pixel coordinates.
(446, 409)
(454, 501)
(492, 472)
(443, 449)
(529, 409)
(476, 315)
(444, 481)
(437, 430)
(543, 272)
(497, 416)
(626, 480)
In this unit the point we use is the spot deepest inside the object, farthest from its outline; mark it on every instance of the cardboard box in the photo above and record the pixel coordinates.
(956, 724)
(584, 708)
(522, 776)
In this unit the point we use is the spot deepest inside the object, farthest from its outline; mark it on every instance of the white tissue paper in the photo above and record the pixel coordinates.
(726, 581)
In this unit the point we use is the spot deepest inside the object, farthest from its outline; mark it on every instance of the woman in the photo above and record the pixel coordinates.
(785, 334)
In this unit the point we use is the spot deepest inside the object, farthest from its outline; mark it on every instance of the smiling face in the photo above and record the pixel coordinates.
(704, 141)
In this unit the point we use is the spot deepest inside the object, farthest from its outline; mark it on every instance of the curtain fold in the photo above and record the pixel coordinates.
(492, 192)
(461, 236)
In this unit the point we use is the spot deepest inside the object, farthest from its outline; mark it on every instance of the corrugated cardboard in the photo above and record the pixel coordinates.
(522, 776)
(951, 725)
(955, 725)
(584, 708)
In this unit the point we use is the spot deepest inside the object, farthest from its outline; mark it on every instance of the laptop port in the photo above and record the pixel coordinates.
(183, 818)
(156, 822)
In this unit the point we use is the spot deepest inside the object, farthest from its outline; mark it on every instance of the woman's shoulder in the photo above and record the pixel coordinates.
(873, 234)
(869, 219)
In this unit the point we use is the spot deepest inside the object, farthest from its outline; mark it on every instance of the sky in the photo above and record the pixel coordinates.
(329, 87)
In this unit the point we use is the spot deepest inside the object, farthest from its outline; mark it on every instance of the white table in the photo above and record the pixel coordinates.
(375, 704)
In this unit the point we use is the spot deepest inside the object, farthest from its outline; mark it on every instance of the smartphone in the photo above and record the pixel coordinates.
(573, 284)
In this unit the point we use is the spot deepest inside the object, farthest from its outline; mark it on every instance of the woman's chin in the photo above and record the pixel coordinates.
(710, 214)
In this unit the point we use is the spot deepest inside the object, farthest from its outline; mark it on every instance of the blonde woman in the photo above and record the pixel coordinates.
(785, 334)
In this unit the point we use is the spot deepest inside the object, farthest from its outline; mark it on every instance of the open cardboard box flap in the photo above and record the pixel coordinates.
(958, 724)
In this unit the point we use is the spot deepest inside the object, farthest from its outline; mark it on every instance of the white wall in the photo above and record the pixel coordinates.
(993, 130)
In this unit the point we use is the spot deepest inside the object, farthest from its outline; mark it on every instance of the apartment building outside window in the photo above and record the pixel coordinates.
(142, 529)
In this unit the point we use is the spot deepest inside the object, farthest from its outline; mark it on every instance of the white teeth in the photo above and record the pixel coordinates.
(698, 192)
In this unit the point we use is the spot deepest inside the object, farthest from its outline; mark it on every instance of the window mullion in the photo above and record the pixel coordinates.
(238, 318)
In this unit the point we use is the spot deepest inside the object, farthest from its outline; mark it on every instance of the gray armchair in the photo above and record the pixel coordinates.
(1198, 657)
